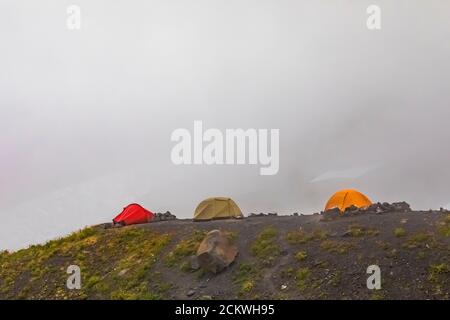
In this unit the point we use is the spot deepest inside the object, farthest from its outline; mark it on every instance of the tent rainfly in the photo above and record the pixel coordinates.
(346, 198)
(217, 208)
(133, 214)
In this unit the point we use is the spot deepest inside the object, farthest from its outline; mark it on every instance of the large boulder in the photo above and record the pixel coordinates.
(216, 252)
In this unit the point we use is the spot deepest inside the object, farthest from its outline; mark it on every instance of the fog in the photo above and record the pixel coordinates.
(86, 115)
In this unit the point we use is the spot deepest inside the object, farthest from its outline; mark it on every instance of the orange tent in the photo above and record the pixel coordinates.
(346, 198)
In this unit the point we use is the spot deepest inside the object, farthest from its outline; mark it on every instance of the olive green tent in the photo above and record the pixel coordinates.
(217, 208)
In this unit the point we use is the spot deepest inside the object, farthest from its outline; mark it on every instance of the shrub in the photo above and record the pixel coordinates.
(301, 255)
(302, 278)
(399, 232)
(265, 247)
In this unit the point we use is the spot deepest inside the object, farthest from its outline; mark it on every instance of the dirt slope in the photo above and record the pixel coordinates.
(280, 257)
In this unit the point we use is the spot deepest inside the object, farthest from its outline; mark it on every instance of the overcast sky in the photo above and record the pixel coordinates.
(86, 115)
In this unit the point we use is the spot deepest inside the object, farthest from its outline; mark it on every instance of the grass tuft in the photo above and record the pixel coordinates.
(339, 247)
(302, 237)
(355, 230)
(399, 232)
(265, 247)
(301, 255)
(185, 248)
(245, 278)
(302, 278)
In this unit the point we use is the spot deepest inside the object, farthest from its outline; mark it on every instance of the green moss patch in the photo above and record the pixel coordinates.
(356, 230)
(399, 232)
(444, 226)
(265, 246)
(245, 277)
(184, 249)
(302, 237)
(339, 247)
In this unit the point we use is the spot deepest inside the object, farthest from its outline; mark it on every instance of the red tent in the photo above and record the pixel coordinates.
(133, 214)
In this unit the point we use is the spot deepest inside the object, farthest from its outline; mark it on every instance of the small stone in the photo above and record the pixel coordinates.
(332, 213)
(193, 261)
(333, 234)
(347, 233)
(190, 293)
(123, 272)
(351, 210)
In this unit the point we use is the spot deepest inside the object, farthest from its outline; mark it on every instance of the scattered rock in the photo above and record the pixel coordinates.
(216, 252)
(402, 206)
(347, 233)
(256, 214)
(118, 225)
(333, 234)
(123, 272)
(375, 208)
(379, 208)
(190, 293)
(352, 210)
(193, 262)
(295, 214)
(261, 214)
(331, 214)
(163, 216)
(108, 225)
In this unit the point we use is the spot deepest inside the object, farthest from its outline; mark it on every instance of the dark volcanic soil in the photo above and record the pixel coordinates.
(407, 261)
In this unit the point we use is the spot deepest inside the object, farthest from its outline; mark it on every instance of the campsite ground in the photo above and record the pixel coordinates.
(280, 257)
